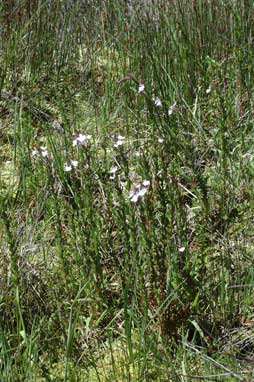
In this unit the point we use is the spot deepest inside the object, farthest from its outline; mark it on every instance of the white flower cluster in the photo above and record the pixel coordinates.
(157, 101)
(139, 190)
(69, 166)
(81, 139)
(119, 141)
(42, 151)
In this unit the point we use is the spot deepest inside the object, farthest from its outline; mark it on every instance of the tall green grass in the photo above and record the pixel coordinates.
(126, 196)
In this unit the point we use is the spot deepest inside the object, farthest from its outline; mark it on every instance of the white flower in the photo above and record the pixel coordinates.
(81, 139)
(160, 140)
(120, 141)
(139, 190)
(181, 249)
(157, 102)
(74, 163)
(70, 166)
(137, 193)
(134, 197)
(146, 183)
(142, 191)
(67, 167)
(141, 88)
(44, 152)
(171, 109)
(35, 152)
(74, 142)
(208, 90)
(113, 172)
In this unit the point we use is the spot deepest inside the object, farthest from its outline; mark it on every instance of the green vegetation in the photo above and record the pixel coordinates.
(126, 190)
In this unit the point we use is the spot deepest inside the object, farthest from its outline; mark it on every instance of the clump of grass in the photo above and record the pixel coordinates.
(125, 235)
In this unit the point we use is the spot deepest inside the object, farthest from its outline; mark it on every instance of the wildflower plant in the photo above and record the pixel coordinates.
(126, 240)
(141, 88)
(81, 139)
(120, 141)
(157, 102)
(139, 190)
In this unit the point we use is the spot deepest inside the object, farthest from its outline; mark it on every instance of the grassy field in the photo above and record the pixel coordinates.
(126, 190)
